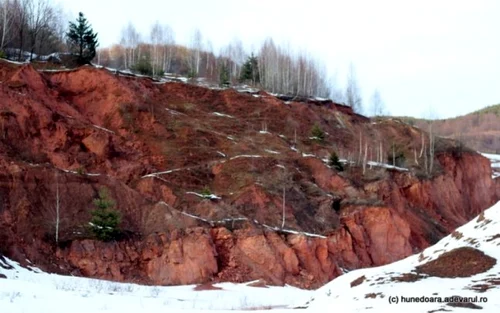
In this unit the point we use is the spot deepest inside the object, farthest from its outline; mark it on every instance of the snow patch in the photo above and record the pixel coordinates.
(174, 112)
(372, 163)
(210, 196)
(161, 173)
(271, 151)
(222, 115)
(245, 156)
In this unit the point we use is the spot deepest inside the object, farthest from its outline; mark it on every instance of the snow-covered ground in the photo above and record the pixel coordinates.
(495, 164)
(380, 291)
(30, 290)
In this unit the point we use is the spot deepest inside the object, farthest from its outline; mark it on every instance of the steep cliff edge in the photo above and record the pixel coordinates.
(157, 146)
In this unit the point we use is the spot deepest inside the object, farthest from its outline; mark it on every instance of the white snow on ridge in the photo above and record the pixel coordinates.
(491, 157)
(13, 62)
(371, 163)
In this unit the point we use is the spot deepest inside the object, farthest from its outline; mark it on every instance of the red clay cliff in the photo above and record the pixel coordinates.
(157, 146)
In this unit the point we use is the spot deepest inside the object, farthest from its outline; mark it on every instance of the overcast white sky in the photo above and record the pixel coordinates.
(440, 56)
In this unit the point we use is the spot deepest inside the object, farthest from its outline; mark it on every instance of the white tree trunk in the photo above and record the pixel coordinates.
(283, 221)
(57, 209)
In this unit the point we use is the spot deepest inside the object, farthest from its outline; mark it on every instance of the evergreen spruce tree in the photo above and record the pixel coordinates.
(317, 133)
(224, 79)
(335, 163)
(82, 40)
(105, 219)
(250, 70)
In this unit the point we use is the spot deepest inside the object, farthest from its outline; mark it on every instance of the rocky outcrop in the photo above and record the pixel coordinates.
(373, 236)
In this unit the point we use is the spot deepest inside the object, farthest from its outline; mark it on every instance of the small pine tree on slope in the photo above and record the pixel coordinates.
(317, 133)
(105, 219)
(82, 40)
(335, 162)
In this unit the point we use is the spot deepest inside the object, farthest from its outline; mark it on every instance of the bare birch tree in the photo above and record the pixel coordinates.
(57, 209)
(377, 104)
(169, 42)
(157, 39)
(21, 9)
(194, 55)
(352, 92)
(6, 16)
(284, 180)
(130, 40)
(40, 13)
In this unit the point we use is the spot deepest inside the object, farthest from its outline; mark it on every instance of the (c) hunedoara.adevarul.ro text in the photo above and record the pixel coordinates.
(436, 299)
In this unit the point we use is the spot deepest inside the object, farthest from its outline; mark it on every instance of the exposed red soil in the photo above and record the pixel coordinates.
(86, 129)
(459, 262)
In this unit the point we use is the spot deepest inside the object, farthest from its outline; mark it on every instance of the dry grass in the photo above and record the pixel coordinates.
(460, 262)
(358, 281)
(373, 295)
(457, 235)
(408, 277)
(207, 286)
(497, 236)
(480, 218)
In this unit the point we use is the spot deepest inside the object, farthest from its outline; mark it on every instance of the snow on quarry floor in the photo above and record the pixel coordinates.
(30, 290)
(462, 265)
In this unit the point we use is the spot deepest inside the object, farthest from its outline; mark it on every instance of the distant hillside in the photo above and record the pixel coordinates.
(479, 130)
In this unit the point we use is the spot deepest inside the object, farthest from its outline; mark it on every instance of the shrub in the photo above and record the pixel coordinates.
(105, 219)
(224, 76)
(317, 133)
(206, 191)
(144, 67)
(192, 74)
(3, 55)
(81, 170)
(333, 161)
